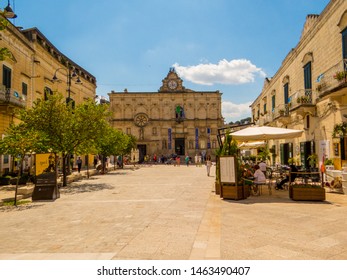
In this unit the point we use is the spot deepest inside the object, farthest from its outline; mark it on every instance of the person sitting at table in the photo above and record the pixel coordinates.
(259, 178)
(293, 168)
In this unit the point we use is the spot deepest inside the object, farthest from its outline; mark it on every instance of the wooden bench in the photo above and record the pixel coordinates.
(46, 187)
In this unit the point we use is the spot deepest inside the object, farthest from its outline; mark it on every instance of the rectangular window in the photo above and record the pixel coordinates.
(6, 159)
(47, 92)
(308, 76)
(24, 90)
(154, 131)
(273, 105)
(128, 130)
(6, 76)
(265, 108)
(344, 44)
(286, 93)
(307, 122)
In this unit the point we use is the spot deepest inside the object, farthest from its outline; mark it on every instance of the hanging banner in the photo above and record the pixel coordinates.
(196, 138)
(169, 141)
(208, 138)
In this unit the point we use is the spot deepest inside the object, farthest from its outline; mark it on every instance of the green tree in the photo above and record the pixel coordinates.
(114, 142)
(4, 52)
(68, 130)
(264, 153)
(19, 141)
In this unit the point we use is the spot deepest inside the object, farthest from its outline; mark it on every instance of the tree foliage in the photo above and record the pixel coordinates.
(20, 141)
(114, 142)
(4, 52)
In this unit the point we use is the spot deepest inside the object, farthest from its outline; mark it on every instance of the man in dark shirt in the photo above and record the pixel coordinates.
(286, 179)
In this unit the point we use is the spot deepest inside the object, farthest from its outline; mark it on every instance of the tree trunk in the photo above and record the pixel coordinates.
(87, 161)
(64, 170)
(20, 162)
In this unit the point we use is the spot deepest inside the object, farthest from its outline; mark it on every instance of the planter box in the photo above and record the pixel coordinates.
(306, 193)
(4, 181)
(246, 191)
(232, 192)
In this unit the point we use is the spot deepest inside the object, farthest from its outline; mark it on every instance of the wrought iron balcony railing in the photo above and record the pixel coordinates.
(9, 96)
(302, 97)
(334, 77)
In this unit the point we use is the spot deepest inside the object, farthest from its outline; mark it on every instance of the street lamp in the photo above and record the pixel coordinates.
(8, 12)
(70, 76)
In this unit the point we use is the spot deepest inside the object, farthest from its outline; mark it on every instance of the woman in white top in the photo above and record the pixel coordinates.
(208, 164)
(259, 178)
(258, 175)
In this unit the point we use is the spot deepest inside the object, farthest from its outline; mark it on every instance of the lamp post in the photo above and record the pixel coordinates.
(8, 12)
(70, 75)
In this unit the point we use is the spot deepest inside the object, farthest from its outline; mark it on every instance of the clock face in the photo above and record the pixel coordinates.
(141, 119)
(172, 84)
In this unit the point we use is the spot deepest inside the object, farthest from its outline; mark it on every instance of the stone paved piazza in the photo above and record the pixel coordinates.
(164, 212)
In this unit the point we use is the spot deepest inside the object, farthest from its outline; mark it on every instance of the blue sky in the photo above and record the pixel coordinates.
(226, 45)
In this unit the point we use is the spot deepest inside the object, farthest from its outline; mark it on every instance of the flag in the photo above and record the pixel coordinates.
(322, 167)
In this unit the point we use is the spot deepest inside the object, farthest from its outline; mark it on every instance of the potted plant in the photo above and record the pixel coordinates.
(291, 161)
(329, 163)
(340, 75)
(340, 129)
(313, 159)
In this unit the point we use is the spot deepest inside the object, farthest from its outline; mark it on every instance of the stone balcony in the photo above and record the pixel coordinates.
(9, 96)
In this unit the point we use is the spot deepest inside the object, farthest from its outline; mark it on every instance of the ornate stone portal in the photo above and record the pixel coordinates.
(174, 120)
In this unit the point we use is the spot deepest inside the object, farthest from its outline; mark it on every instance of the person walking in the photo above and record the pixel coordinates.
(79, 164)
(208, 164)
(178, 161)
(199, 160)
(187, 160)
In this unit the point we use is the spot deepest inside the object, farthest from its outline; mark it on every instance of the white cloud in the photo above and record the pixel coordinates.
(235, 112)
(233, 72)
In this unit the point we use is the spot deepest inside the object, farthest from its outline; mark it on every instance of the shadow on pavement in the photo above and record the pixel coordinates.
(20, 207)
(83, 188)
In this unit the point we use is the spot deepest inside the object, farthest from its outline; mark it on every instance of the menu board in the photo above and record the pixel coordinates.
(227, 169)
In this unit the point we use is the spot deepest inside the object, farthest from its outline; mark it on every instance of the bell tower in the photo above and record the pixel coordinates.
(172, 82)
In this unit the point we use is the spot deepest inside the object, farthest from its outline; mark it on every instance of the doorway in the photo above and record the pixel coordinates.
(306, 149)
(142, 152)
(179, 146)
(286, 150)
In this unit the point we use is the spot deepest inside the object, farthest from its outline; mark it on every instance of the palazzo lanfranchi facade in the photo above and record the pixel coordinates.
(174, 120)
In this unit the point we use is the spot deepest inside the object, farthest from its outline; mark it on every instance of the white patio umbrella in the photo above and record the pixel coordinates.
(252, 145)
(257, 133)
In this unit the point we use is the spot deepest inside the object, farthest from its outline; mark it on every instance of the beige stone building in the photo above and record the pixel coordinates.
(28, 75)
(174, 120)
(309, 90)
